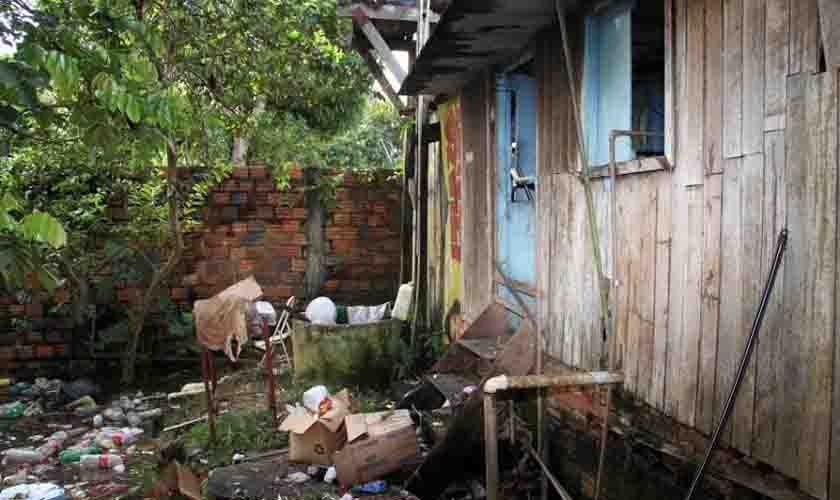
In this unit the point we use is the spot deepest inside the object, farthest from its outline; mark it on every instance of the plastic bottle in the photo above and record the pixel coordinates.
(54, 444)
(16, 456)
(91, 462)
(111, 438)
(75, 454)
(12, 410)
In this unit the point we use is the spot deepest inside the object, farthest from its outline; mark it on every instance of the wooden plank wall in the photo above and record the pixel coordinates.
(755, 145)
(477, 236)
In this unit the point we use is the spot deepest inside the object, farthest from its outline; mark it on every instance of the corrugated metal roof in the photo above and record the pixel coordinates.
(473, 35)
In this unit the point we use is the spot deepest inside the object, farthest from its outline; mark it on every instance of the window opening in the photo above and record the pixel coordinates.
(624, 80)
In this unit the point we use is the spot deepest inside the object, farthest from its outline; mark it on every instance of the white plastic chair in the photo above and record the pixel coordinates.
(283, 330)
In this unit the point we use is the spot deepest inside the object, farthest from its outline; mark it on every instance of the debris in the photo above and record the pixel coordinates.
(313, 397)
(73, 455)
(371, 488)
(189, 422)
(92, 462)
(321, 311)
(176, 478)
(191, 389)
(402, 305)
(37, 491)
(33, 409)
(83, 402)
(313, 438)
(347, 496)
(106, 490)
(377, 444)
(12, 410)
(297, 477)
(98, 421)
(79, 389)
(330, 475)
(312, 470)
(119, 469)
(111, 438)
(23, 456)
(114, 414)
(258, 479)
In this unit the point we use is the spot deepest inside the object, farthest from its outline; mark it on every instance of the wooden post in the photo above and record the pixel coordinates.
(271, 397)
(206, 362)
(604, 434)
(491, 446)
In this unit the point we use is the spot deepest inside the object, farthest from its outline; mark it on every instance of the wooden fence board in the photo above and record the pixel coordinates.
(790, 415)
(733, 72)
(776, 56)
(769, 374)
(690, 152)
(662, 281)
(804, 37)
(677, 285)
(821, 196)
(752, 243)
(647, 288)
(713, 112)
(754, 46)
(692, 305)
(730, 287)
(706, 396)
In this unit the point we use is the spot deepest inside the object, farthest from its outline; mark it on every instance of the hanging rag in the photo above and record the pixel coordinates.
(221, 319)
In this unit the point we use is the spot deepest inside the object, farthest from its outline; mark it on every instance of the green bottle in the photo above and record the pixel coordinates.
(74, 454)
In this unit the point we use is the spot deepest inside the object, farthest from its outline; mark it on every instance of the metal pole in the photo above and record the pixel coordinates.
(745, 361)
(491, 447)
(605, 431)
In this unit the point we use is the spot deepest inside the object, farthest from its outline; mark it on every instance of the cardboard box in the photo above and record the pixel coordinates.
(312, 438)
(377, 444)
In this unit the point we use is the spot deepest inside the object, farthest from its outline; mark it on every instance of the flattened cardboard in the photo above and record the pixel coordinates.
(314, 439)
(377, 444)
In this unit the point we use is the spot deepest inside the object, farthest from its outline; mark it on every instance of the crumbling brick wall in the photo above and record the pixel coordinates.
(250, 227)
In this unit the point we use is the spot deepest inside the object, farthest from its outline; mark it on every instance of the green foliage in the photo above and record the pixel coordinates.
(25, 245)
(235, 432)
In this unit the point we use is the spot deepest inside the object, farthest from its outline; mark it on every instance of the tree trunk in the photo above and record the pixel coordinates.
(137, 319)
(242, 143)
(81, 302)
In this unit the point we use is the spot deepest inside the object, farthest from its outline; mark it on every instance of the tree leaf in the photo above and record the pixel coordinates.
(40, 226)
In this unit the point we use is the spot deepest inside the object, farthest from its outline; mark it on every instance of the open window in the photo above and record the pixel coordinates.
(624, 80)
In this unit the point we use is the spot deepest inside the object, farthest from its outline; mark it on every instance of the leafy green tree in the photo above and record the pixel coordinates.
(137, 89)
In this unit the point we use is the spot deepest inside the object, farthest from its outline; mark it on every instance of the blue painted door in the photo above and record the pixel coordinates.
(516, 222)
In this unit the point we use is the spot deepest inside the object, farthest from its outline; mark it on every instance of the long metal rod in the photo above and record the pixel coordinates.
(605, 432)
(491, 447)
(547, 473)
(745, 360)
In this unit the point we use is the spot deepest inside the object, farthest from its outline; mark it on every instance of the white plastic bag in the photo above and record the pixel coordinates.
(403, 303)
(37, 491)
(313, 397)
(321, 311)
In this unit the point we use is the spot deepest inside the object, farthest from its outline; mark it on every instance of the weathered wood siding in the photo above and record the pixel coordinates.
(754, 135)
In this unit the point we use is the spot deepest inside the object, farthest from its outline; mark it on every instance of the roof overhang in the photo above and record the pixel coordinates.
(473, 35)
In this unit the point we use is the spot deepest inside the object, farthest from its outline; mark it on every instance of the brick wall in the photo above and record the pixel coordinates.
(250, 228)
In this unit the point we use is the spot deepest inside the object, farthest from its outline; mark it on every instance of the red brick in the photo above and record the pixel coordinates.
(230, 185)
(265, 186)
(298, 265)
(280, 292)
(331, 285)
(341, 194)
(259, 172)
(285, 250)
(298, 213)
(239, 227)
(221, 198)
(341, 219)
(190, 279)
(376, 220)
(238, 253)
(247, 265)
(179, 293)
(61, 350)
(221, 251)
(241, 172)
(379, 207)
(343, 234)
(34, 310)
(299, 239)
(290, 226)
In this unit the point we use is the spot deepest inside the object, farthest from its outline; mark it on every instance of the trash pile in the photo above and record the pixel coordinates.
(92, 440)
(356, 450)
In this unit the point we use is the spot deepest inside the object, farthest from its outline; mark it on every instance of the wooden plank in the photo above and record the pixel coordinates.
(380, 46)
(777, 35)
(647, 288)
(829, 13)
(753, 89)
(804, 37)
(386, 12)
(690, 149)
(731, 292)
(627, 263)
(382, 80)
(662, 279)
(769, 368)
(679, 237)
(706, 397)
(639, 166)
(752, 243)
(733, 71)
(672, 54)
(821, 196)
(713, 112)
(789, 417)
(692, 306)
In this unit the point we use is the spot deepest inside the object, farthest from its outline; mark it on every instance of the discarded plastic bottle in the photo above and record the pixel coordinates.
(12, 410)
(17, 456)
(75, 454)
(54, 444)
(91, 462)
(116, 438)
